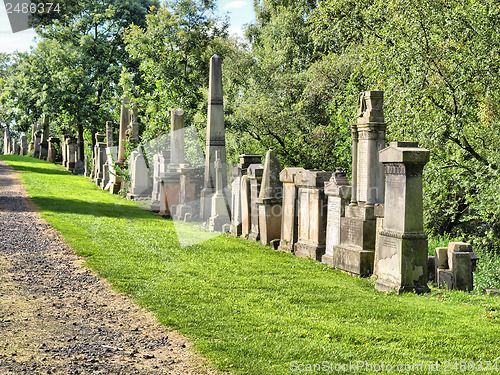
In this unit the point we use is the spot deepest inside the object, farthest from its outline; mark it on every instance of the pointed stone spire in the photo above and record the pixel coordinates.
(271, 184)
(216, 140)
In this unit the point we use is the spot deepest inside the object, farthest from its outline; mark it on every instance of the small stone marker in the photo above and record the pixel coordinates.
(402, 264)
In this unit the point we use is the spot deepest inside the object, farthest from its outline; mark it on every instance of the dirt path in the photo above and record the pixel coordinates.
(57, 317)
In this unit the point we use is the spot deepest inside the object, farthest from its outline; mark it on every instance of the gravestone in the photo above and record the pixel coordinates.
(455, 265)
(255, 172)
(160, 165)
(220, 212)
(246, 210)
(24, 145)
(270, 200)
(71, 153)
(6, 142)
(338, 192)
(64, 150)
(37, 137)
(87, 166)
(79, 157)
(52, 155)
(111, 156)
(216, 139)
(312, 209)
(44, 138)
(290, 213)
(100, 158)
(133, 128)
(116, 180)
(109, 143)
(140, 184)
(355, 253)
(236, 209)
(402, 263)
(15, 147)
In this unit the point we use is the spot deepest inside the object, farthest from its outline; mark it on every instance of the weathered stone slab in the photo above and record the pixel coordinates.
(462, 271)
(457, 247)
(255, 172)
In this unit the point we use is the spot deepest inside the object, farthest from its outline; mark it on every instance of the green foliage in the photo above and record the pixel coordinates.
(173, 54)
(251, 309)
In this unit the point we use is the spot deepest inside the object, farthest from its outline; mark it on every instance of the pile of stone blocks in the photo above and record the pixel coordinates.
(454, 266)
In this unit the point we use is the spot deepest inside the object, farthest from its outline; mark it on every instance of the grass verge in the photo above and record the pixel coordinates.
(253, 310)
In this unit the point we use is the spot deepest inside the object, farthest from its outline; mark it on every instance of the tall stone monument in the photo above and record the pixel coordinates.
(270, 200)
(402, 253)
(116, 181)
(216, 139)
(109, 144)
(338, 191)
(6, 142)
(24, 145)
(289, 218)
(355, 253)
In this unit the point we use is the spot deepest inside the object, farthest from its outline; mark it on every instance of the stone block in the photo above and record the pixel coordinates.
(445, 278)
(459, 247)
(462, 271)
(353, 260)
(442, 257)
(431, 268)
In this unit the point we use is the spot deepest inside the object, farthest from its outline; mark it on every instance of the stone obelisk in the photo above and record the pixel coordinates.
(216, 139)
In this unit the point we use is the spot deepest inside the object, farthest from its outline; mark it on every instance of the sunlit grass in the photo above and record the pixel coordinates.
(254, 310)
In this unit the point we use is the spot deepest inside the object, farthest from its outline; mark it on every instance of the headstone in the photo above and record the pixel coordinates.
(246, 210)
(100, 158)
(109, 144)
(160, 165)
(255, 172)
(24, 145)
(37, 137)
(140, 184)
(402, 264)
(71, 153)
(355, 253)
(116, 180)
(455, 265)
(290, 213)
(457, 247)
(177, 153)
(216, 139)
(270, 200)
(378, 212)
(111, 156)
(338, 191)
(87, 166)
(64, 150)
(79, 158)
(312, 207)
(16, 148)
(6, 142)
(220, 210)
(52, 154)
(236, 209)
(44, 138)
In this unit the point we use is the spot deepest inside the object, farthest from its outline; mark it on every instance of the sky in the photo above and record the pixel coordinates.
(240, 12)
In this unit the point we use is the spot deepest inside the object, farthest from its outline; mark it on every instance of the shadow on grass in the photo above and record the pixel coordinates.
(96, 209)
(21, 168)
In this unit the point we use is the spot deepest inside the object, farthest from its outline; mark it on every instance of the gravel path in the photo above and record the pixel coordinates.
(58, 317)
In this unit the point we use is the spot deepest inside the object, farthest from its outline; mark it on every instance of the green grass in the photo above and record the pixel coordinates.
(250, 309)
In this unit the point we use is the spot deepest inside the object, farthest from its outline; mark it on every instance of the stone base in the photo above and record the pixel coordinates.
(285, 246)
(115, 187)
(181, 210)
(303, 250)
(327, 259)
(252, 236)
(387, 287)
(139, 193)
(235, 230)
(206, 203)
(445, 278)
(353, 260)
(155, 206)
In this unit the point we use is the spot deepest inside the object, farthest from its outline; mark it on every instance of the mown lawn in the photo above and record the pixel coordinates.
(253, 310)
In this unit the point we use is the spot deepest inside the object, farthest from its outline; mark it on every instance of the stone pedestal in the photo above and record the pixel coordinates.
(289, 217)
(169, 197)
(269, 201)
(338, 191)
(402, 264)
(107, 159)
(100, 158)
(6, 142)
(312, 207)
(189, 182)
(255, 172)
(355, 253)
(71, 153)
(109, 168)
(220, 209)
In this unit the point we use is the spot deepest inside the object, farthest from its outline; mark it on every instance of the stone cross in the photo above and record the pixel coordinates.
(216, 139)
